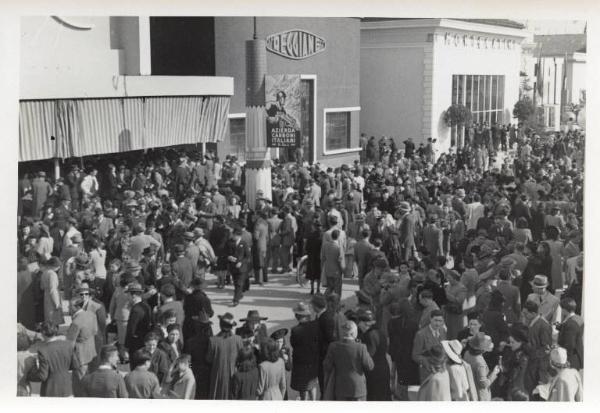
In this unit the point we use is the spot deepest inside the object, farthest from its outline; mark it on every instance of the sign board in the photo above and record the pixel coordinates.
(282, 97)
(295, 44)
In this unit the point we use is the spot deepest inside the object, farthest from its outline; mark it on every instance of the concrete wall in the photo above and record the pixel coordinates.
(391, 91)
(450, 60)
(337, 68)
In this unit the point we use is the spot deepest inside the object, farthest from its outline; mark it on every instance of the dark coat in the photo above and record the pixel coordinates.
(197, 348)
(378, 379)
(222, 355)
(401, 332)
(347, 361)
(139, 324)
(570, 337)
(243, 254)
(55, 359)
(314, 243)
(183, 271)
(304, 340)
(193, 305)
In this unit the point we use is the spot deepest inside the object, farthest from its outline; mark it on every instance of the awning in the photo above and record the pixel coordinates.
(82, 127)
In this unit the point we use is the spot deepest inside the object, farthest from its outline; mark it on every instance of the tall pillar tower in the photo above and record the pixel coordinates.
(258, 156)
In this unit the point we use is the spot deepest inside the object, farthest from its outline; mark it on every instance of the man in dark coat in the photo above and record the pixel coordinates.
(362, 253)
(239, 257)
(540, 341)
(197, 348)
(570, 333)
(304, 340)
(55, 358)
(378, 379)
(197, 307)
(139, 323)
(183, 271)
(407, 230)
(409, 148)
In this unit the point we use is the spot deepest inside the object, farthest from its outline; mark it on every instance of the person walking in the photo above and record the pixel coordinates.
(239, 257)
(332, 264)
(304, 340)
(81, 333)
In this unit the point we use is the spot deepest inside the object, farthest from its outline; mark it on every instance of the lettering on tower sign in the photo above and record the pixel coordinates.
(295, 44)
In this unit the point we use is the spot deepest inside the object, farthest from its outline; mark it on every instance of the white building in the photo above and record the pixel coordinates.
(412, 70)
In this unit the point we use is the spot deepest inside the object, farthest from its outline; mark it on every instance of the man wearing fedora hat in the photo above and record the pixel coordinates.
(304, 340)
(549, 305)
(239, 257)
(254, 323)
(378, 378)
(540, 341)
(222, 354)
(82, 332)
(140, 319)
(406, 226)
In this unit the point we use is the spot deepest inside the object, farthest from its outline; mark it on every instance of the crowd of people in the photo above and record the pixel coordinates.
(469, 267)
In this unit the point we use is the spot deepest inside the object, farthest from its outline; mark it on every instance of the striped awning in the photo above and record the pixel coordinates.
(83, 127)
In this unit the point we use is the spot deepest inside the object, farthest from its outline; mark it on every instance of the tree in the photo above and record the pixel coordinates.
(523, 109)
(457, 115)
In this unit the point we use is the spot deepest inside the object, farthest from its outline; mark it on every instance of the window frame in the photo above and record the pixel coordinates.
(349, 111)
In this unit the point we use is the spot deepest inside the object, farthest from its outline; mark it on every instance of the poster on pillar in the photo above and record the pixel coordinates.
(283, 110)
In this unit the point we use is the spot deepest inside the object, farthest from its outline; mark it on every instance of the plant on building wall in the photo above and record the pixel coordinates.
(523, 109)
(457, 115)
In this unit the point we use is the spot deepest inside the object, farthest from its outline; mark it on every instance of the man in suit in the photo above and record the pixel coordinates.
(511, 293)
(288, 237)
(81, 333)
(333, 263)
(95, 307)
(106, 381)
(426, 338)
(549, 305)
(407, 230)
(183, 271)
(261, 242)
(540, 341)
(239, 258)
(55, 358)
(570, 333)
(219, 201)
(139, 323)
(345, 365)
(433, 238)
(362, 252)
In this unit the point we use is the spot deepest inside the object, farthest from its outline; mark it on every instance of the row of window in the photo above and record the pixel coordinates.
(482, 94)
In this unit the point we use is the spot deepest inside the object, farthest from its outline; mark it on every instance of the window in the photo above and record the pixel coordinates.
(337, 132)
(237, 138)
(483, 95)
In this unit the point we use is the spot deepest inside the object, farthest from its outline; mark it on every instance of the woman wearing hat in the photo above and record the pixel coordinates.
(476, 346)
(462, 383)
(304, 340)
(567, 385)
(436, 386)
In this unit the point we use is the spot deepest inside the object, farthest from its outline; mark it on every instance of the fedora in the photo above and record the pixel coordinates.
(540, 281)
(253, 315)
(453, 348)
(281, 333)
(558, 357)
(404, 207)
(134, 287)
(301, 309)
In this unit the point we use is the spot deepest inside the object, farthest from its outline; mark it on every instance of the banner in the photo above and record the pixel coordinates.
(283, 110)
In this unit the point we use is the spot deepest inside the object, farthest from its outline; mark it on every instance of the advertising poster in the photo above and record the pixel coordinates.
(283, 110)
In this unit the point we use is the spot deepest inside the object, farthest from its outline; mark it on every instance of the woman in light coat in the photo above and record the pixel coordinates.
(271, 373)
(476, 346)
(436, 386)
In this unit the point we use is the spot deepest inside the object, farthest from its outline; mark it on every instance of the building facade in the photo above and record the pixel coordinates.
(430, 64)
(330, 103)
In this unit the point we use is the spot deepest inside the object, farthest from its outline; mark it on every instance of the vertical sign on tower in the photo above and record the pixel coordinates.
(282, 96)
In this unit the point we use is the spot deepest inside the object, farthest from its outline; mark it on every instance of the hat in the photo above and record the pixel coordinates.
(301, 309)
(460, 192)
(540, 281)
(363, 297)
(189, 236)
(72, 220)
(507, 262)
(245, 332)
(131, 203)
(134, 287)
(76, 239)
(253, 315)
(82, 260)
(365, 315)
(42, 173)
(197, 232)
(558, 357)
(179, 249)
(319, 302)
(404, 207)
(281, 333)
(481, 342)
(453, 348)
(228, 319)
